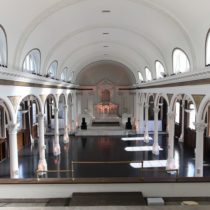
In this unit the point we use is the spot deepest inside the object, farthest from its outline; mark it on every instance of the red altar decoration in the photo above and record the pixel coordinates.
(106, 108)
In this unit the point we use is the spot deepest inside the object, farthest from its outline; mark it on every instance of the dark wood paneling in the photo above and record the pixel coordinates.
(206, 148)
(3, 149)
(20, 142)
(190, 138)
(177, 130)
(34, 131)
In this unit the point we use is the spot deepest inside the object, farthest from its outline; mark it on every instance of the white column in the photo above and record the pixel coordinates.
(70, 117)
(74, 112)
(156, 147)
(141, 118)
(66, 130)
(171, 126)
(73, 117)
(42, 165)
(181, 138)
(56, 145)
(136, 112)
(14, 170)
(146, 133)
(90, 104)
(199, 126)
(78, 108)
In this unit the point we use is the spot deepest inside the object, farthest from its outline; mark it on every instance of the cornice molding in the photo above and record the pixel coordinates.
(182, 79)
(17, 78)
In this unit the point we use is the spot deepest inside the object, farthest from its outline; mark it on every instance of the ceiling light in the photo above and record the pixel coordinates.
(106, 11)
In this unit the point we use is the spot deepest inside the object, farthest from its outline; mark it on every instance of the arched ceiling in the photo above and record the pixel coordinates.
(137, 32)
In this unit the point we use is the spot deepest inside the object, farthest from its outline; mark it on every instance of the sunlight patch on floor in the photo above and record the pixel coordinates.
(150, 164)
(140, 148)
(134, 138)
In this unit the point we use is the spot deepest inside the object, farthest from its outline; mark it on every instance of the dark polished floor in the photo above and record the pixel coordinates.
(107, 152)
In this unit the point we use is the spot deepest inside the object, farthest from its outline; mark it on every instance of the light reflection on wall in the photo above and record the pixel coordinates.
(176, 158)
(21, 171)
(190, 169)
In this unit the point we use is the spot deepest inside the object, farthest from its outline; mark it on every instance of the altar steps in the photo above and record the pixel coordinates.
(108, 199)
(104, 131)
(105, 124)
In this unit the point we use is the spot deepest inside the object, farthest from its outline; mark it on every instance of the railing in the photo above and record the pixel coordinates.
(143, 172)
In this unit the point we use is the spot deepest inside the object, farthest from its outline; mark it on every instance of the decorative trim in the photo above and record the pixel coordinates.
(200, 126)
(169, 97)
(43, 98)
(197, 98)
(14, 101)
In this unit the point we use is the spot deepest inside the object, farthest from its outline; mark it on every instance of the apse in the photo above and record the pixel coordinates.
(112, 71)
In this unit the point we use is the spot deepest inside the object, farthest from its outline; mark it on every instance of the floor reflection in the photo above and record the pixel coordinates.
(110, 151)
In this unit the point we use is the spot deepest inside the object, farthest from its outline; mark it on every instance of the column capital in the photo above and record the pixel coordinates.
(200, 126)
(40, 115)
(12, 127)
(146, 105)
(183, 102)
(171, 115)
(140, 103)
(56, 109)
(156, 110)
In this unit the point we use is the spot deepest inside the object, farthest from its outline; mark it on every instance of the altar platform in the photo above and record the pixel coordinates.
(104, 131)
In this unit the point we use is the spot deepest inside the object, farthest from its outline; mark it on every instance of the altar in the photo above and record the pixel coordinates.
(106, 110)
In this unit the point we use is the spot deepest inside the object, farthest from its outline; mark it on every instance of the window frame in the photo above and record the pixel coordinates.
(6, 47)
(146, 68)
(207, 39)
(157, 61)
(189, 118)
(140, 75)
(39, 65)
(177, 48)
(177, 115)
(65, 69)
(48, 71)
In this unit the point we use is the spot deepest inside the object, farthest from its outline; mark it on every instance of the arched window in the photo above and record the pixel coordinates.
(141, 79)
(71, 76)
(180, 61)
(32, 61)
(177, 116)
(3, 47)
(64, 74)
(208, 48)
(192, 116)
(148, 74)
(160, 71)
(52, 69)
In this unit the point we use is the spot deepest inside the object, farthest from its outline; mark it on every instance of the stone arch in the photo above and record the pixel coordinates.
(30, 98)
(26, 103)
(181, 97)
(63, 98)
(8, 110)
(157, 98)
(148, 95)
(53, 98)
(205, 103)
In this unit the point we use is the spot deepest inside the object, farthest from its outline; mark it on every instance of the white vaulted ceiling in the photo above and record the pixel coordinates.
(139, 32)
